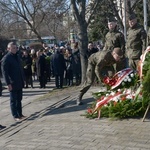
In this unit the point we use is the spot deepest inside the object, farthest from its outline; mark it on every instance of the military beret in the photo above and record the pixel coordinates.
(118, 51)
(132, 16)
(112, 19)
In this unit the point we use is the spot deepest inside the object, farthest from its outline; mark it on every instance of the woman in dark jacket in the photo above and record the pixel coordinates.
(41, 68)
(76, 64)
(27, 63)
(69, 67)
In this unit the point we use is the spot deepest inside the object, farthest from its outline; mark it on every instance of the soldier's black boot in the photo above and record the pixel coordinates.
(79, 98)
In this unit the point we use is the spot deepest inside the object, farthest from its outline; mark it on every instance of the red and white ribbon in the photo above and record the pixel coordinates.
(142, 62)
(121, 76)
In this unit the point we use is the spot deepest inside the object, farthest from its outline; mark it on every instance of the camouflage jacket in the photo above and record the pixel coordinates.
(114, 39)
(100, 60)
(136, 41)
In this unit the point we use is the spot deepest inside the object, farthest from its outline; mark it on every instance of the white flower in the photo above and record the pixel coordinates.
(119, 90)
(123, 83)
(116, 99)
(112, 93)
(124, 92)
(129, 80)
(107, 94)
(132, 75)
(125, 80)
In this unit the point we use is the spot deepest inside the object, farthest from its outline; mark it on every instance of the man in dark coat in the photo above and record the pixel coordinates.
(13, 74)
(59, 66)
(136, 41)
(100, 64)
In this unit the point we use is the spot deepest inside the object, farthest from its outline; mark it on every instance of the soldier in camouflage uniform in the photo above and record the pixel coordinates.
(100, 64)
(115, 38)
(136, 41)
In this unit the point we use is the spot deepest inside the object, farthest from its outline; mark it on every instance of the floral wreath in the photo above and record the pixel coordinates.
(120, 92)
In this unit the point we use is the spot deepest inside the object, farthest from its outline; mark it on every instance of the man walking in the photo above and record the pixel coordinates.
(13, 76)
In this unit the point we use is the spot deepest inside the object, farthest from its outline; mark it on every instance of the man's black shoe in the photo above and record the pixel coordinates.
(2, 127)
(79, 98)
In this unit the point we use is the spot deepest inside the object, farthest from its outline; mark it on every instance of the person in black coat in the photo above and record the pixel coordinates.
(69, 67)
(41, 68)
(59, 66)
(91, 49)
(27, 63)
(76, 64)
(13, 75)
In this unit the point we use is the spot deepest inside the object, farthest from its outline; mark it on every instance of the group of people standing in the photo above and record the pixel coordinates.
(20, 66)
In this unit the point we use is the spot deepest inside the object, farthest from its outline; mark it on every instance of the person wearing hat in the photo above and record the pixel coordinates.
(136, 41)
(100, 65)
(115, 38)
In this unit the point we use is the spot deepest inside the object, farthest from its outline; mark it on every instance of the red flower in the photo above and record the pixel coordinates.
(102, 97)
(106, 80)
(123, 98)
(115, 103)
(89, 110)
(98, 100)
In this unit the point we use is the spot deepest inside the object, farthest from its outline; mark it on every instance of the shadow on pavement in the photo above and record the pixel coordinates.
(71, 106)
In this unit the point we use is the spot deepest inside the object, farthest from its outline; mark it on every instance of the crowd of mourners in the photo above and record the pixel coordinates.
(61, 62)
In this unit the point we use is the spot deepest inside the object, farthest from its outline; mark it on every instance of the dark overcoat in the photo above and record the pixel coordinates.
(58, 63)
(12, 71)
(41, 66)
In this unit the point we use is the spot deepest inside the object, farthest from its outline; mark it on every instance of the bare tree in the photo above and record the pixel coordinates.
(83, 11)
(31, 12)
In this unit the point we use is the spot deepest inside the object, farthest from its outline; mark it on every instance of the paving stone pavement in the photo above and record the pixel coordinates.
(54, 122)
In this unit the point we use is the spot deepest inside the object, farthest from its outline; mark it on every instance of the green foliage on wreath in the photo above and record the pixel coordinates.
(98, 95)
(126, 109)
(122, 109)
(146, 81)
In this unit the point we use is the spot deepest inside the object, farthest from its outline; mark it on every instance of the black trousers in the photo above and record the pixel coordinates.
(15, 103)
(59, 80)
(42, 81)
